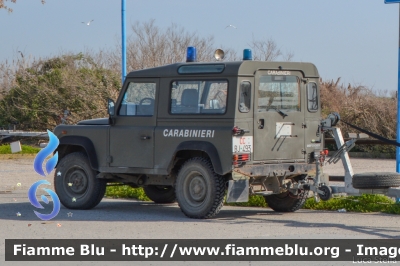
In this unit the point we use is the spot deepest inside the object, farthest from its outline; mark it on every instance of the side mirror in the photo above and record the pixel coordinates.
(111, 111)
(111, 107)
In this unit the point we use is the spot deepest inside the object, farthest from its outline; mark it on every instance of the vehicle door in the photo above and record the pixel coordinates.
(278, 116)
(132, 135)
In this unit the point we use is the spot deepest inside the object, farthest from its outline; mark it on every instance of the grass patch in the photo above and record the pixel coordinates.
(254, 201)
(126, 192)
(364, 203)
(6, 149)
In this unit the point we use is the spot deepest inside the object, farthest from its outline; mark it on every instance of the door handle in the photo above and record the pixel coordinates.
(260, 123)
(145, 137)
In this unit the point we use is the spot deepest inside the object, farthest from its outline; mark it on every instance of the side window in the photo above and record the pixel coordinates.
(244, 97)
(312, 97)
(198, 97)
(138, 99)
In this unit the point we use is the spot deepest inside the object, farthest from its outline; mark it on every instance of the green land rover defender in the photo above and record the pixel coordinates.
(200, 134)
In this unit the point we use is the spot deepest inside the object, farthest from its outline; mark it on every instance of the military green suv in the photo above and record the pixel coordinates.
(196, 133)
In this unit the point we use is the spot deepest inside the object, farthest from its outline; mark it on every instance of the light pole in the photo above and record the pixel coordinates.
(398, 94)
(123, 26)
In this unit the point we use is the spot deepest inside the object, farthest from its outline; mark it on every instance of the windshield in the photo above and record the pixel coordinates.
(279, 93)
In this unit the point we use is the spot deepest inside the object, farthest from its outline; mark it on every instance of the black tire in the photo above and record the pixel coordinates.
(327, 193)
(376, 180)
(160, 194)
(286, 201)
(86, 190)
(199, 190)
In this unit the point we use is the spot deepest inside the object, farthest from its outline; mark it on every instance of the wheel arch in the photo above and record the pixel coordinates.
(189, 149)
(69, 144)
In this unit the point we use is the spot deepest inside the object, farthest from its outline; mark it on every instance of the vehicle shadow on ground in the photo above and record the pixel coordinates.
(105, 211)
(287, 220)
(137, 211)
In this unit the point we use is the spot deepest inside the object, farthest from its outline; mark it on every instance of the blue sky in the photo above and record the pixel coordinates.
(356, 40)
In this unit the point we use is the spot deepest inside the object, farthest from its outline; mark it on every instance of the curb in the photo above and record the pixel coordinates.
(369, 155)
(17, 156)
(372, 155)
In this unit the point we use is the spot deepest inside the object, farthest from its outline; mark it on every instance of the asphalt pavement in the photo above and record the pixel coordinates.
(131, 219)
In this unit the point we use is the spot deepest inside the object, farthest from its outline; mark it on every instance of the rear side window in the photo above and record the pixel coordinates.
(244, 97)
(312, 97)
(199, 97)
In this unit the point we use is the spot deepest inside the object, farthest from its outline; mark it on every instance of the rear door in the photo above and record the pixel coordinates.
(278, 116)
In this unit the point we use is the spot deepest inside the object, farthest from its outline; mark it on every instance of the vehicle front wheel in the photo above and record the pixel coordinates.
(76, 184)
(199, 190)
(160, 194)
(286, 201)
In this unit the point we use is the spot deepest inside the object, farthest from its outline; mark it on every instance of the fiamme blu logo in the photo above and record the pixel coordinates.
(50, 165)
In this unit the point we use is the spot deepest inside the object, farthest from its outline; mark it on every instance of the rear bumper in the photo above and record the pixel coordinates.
(277, 169)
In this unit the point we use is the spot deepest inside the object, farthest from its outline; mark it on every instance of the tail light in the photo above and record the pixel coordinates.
(322, 155)
(239, 159)
(238, 131)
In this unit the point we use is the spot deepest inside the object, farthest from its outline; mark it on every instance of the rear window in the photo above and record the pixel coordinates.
(279, 92)
(199, 97)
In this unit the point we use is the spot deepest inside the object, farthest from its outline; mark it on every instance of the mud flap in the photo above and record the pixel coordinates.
(238, 191)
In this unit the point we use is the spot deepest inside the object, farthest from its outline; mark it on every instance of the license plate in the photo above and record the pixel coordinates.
(242, 144)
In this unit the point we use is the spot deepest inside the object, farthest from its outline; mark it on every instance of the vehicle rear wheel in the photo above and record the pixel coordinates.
(199, 190)
(76, 183)
(376, 180)
(286, 201)
(160, 194)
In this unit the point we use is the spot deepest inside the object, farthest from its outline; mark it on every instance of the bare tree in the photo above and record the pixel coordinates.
(150, 46)
(4, 6)
(231, 55)
(267, 50)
